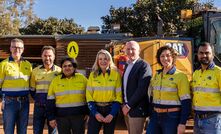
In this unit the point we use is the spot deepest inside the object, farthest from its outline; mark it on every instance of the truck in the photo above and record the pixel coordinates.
(185, 47)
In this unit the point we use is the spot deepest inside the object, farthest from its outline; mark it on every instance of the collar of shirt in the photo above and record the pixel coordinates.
(52, 68)
(171, 71)
(210, 66)
(132, 62)
(107, 71)
(63, 76)
(10, 59)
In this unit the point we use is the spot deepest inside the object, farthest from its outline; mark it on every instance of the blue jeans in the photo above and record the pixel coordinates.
(39, 119)
(15, 112)
(210, 125)
(163, 123)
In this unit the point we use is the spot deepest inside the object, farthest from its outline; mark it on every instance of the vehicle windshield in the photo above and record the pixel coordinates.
(216, 37)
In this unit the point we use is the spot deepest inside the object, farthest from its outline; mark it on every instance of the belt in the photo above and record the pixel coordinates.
(165, 110)
(206, 115)
(18, 98)
(103, 104)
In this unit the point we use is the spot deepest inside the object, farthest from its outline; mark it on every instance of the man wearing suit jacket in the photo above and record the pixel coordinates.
(135, 83)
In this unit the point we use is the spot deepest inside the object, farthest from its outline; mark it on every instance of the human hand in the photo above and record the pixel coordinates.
(53, 123)
(99, 117)
(108, 118)
(181, 129)
(125, 110)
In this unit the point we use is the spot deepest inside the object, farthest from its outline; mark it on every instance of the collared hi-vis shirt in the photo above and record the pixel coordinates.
(40, 81)
(104, 88)
(67, 96)
(172, 90)
(206, 86)
(14, 77)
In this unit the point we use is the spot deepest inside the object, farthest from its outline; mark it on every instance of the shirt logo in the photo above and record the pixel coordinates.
(209, 77)
(171, 79)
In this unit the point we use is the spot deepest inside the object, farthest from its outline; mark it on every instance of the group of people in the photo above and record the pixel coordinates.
(67, 100)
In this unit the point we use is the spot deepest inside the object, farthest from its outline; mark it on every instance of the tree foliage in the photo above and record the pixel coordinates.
(14, 14)
(52, 26)
(144, 17)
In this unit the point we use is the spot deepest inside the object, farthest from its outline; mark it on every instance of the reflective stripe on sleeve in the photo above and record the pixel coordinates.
(184, 97)
(17, 77)
(205, 108)
(15, 89)
(43, 83)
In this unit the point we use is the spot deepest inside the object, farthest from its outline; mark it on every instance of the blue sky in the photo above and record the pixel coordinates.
(84, 12)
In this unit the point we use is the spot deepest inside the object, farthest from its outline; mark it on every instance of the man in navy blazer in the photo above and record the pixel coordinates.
(135, 84)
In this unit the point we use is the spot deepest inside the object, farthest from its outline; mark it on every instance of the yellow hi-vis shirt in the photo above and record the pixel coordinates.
(14, 77)
(41, 78)
(104, 88)
(206, 86)
(68, 92)
(170, 89)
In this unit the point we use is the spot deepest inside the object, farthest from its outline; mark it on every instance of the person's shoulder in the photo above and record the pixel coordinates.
(57, 68)
(37, 68)
(180, 73)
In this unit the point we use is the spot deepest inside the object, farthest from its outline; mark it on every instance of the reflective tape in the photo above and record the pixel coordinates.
(89, 88)
(43, 82)
(205, 108)
(17, 77)
(165, 88)
(166, 102)
(16, 89)
(32, 88)
(70, 92)
(101, 88)
(204, 89)
(71, 105)
(41, 90)
(52, 97)
(184, 97)
(118, 89)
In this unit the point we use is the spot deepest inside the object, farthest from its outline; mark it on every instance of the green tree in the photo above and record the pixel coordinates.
(146, 16)
(52, 26)
(14, 14)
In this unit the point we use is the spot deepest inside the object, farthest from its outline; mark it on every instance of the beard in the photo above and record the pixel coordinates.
(205, 61)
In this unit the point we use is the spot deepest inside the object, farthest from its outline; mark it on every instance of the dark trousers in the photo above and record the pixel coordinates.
(163, 123)
(39, 119)
(94, 126)
(71, 124)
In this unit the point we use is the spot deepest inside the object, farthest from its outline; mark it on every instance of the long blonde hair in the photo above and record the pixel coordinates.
(96, 67)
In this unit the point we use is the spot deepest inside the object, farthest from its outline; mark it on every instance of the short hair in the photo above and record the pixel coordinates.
(163, 48)
(203, 44)
(73, 62)
(47, 48)
(17, 40)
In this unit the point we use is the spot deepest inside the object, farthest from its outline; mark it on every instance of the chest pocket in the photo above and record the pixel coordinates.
(11, 71)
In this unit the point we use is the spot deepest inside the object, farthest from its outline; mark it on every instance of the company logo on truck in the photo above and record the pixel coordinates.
(180, 47)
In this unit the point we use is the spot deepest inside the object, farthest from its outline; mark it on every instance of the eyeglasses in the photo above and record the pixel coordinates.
(19, 48)
(69, 65)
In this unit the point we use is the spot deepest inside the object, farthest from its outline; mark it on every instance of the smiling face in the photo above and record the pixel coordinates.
(68, 69)
(132, 50)
(48, 57)
(166, 59)
(16, 49)
(103, 62)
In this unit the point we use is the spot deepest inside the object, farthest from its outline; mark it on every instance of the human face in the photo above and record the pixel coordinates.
(103, 62)
(16, 48)
(132, 51)
(48, 57)
(68, 69)
(205, 55)
(166, 59)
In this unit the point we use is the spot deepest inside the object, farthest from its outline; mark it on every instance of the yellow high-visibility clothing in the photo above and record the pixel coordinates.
(206, 86)
(171, 88)
(68, 92)
(14, 77)
(41, 78)
(104, 88)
